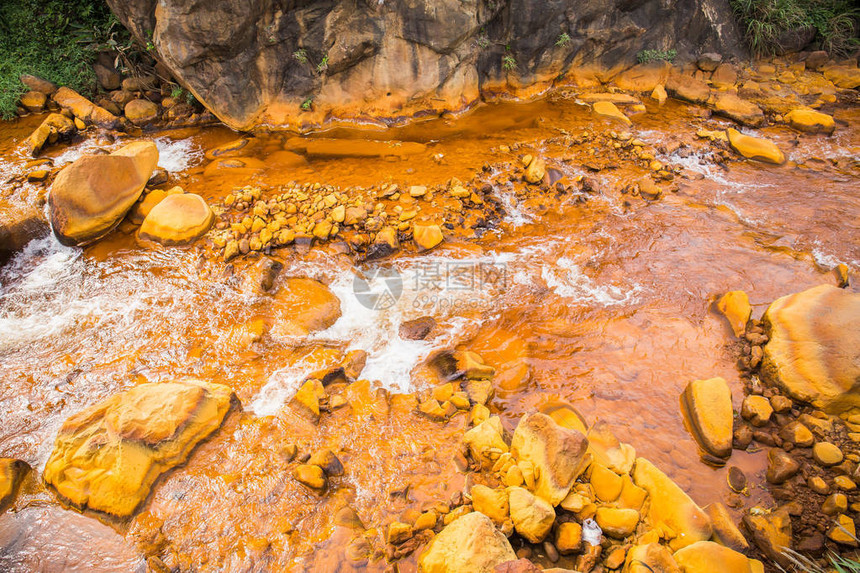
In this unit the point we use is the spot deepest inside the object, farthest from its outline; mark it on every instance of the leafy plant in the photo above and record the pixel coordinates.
(563, 39)
(646, 56)
(307, 104)
(482, 41)
(323, 65)
(508, 62)
(301, 56)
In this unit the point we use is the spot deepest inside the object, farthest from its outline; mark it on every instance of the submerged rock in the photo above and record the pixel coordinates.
(814, 349)
(177, 220)
(469, 544)
(755, 147)
(93, 194)
(309, 306)
(107, 457)
(707, 409)
(12, 473)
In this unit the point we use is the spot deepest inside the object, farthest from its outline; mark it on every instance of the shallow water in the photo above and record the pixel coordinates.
(604, 303)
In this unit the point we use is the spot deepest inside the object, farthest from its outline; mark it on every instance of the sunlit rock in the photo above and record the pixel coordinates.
(141, 111)
(107, 457)
(84, 109)
(93, 194)
(738, 109)
(556, 452)
(650, 558)
(55, 126)
(610, 110)
(177, 220)
(427, 236)
(755, 147)
(470, 544)
(707, 409)
(771, 532)
(810, 121)
(735, 306)
(532, 516)
(814, 348)
(305, 306)
(710, 557)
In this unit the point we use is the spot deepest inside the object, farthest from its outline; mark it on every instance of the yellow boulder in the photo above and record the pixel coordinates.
(710, 557)
(810, 121)
(755, 147)
(304, 306)
(735, 305)
(707, 409)
(177, 220)
(107, 457)
(469, 544)
(610, 110)
(427, 236)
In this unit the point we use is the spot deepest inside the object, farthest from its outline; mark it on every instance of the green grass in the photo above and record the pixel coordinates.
(646, 56)
(837, 23)
(56, 40)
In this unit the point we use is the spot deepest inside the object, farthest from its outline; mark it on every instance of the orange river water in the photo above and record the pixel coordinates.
(604, 303)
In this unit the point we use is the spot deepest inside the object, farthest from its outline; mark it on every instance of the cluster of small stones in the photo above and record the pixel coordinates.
(813, 461)
(371, 220)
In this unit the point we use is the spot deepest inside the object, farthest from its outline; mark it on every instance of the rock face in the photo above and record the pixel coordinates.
(12, 473)
(177, 220)
(556, 452)
(707, 409)
(107, 457)
(469, 544)
(814, 348)
(257, 63)
(92, 195)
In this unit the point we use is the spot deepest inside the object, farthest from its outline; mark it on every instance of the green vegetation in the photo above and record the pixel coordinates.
(509, 62)
(307, 104)
(836, 22)
(563, 39)
(323, 65)
(802, 564)
(646, 56)
(301, 56)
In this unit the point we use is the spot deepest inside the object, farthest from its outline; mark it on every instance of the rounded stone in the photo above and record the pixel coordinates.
(757, 410)
(177, 220)
(827, 454)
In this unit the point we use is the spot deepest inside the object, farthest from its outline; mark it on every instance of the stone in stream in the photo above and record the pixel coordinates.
(843, 531)
(755, 147)
(485, 440)
(738, 109)
(107, 457)
(606, 449)
(308, 306)
(55, 126)
(780, 466)
(725, 530)
(12, 473)
(141, 111)
(19, 224)
(532, 516)
(813, 353)
(609, 110)
(617, 523)
(93, 194)
(810, 121)
(771, 532)
(710, 557)
(757, 410)
(84, 109)
(557, 454)
(568, 537)
(491, 502)
(827, 454)
(535, 170)
(469, 544)
(178, 219)
(735, 306)
(650, 558)
(34, 101)
(670, 507)
(707, 409)
(427, 236)
(418, 328)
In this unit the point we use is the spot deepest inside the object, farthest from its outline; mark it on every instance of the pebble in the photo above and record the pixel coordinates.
(757, 410)
(827, 454)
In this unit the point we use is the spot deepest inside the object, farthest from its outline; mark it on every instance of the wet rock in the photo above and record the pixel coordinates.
(606, 484)
(535, 170)
(780, 466)
(771, 532)
(84, 109)
(107, 457)
(841, 272)
(843, 76)
(671, 507)
(606, 449)
(617, 523)
(755, 148)
(329, 462)
(797, 434)
(556, 453)
(707, 409)
(384, 245)
(827, 454)
(491, 502)
(568, 538)
(177, 220)
(738, 109)
(141, 111)
(609, 110)
(56, 126)
(814, 348)
(687, 88)
(709, 61)
(710, 557)
(34, 101)
(427, 236)
(398, 532)
(12, 473)
(19, 224)
(818, 485)
(735, 306)
(470, 544)
(532, 516)
(485, 442)
(418, 328)
(92, 195)
(834, 504)
(843, 531)
(311, 476)
(757, 410)
(810, 121)
(519, 566)
(725, 76)
(725, 530)
(312, 306)
(650, 558)
(780, 404)
(38, 84)
(472, 367)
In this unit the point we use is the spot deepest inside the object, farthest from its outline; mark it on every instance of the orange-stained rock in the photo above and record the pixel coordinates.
(742, 111)
(814, 348)
(606, 449)
(469, 544)
(531, 515)
(92, 195)
(643, 77)
(810, 121)
(427, 236)
(755, 147)
(843, 76)
(177, 220)
(650, 558)
(610, 110)
(107, 457)
(308, 306)
(707, 409)
(735, 305)
(330, 147)
(84, 109)
(142, 208)
(34, 101)
(12, 473)
(234, 166)
(56, 126)
(556, 452)
(688, 88)
(710, 557)
(671, 509)
(141, 111)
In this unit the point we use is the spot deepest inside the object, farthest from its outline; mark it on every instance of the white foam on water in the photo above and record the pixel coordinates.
(515, 213)
(567, 280)
(176, 155)
(72, 153)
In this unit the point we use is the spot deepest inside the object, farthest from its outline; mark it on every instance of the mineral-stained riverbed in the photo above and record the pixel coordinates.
(600, 298)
